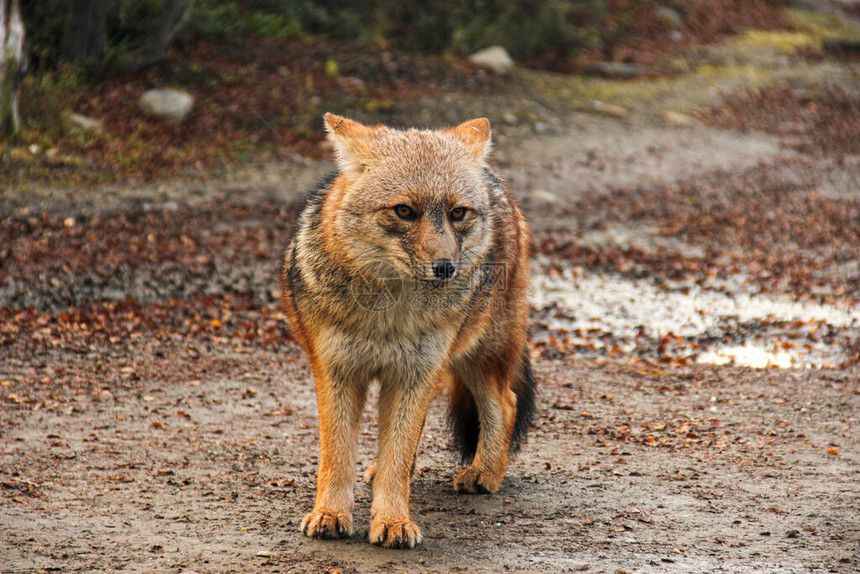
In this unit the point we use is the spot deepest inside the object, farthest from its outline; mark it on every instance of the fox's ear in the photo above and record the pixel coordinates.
(476, 135)
(350, 140)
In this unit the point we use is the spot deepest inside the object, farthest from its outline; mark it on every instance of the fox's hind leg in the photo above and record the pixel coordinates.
(491, 405)
(340, 407)
(497, 411)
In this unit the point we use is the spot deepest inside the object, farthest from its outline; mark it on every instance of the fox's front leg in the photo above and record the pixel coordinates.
(442, 383)
(371, 470)
(340, 407)
(402, 409)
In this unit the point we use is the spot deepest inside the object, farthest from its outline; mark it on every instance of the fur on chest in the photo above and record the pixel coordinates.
(397, 354)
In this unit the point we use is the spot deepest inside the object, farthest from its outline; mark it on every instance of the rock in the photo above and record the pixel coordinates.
(540, 197)
(167, 104)
(78, 123)
(616, 70)
(510, 118)
(841, 45)
(610, 110)
(679, 119)
(351, 83)
(671, 16)
(495, 58)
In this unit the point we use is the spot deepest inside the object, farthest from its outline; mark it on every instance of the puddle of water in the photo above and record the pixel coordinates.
(748, 355)
(737, 328)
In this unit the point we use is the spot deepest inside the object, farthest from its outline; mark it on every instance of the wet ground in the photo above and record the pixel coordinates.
(157, 415)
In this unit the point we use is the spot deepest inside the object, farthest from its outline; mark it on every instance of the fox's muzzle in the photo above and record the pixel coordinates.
(444, 269)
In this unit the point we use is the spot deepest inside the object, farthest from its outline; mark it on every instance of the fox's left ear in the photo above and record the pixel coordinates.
(476, 135)
(351, 143)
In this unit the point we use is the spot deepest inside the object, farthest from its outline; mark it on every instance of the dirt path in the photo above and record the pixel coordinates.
(634, 469)
(156, 414)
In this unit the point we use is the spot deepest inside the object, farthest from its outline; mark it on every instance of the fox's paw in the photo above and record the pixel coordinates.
(370, 473)
(325, 524)
(394, 533)
(473, 481)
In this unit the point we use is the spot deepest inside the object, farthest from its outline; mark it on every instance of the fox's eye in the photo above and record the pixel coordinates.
(458, 213)
(403, 211)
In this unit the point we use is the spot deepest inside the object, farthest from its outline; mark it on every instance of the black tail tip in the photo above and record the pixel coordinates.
(526, 392)
(464, 422)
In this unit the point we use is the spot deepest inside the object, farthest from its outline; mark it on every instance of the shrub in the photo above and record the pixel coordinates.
(45, 96)
(527, 28)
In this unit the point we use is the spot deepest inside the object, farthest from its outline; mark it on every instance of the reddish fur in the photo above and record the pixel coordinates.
(486, 345)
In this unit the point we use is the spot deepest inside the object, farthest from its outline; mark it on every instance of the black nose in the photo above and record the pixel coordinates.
(443, 268)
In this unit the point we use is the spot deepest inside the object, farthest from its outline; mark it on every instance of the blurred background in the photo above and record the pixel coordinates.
(261, 72)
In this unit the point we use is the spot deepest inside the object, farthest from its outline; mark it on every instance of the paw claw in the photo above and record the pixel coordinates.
(395, 534)
(327, 524)
(474, 481)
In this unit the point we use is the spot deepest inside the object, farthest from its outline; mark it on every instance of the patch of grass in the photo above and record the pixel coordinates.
(43, 99)
(234, 21)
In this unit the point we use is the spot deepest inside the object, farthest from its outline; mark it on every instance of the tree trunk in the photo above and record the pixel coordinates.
(83, 37)
(174, 15)
(12, 64)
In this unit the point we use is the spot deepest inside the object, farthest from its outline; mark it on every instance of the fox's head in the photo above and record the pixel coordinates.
(417, 199)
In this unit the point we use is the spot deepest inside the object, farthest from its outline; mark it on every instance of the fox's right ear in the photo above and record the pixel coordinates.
(351, 144)
(476, 135)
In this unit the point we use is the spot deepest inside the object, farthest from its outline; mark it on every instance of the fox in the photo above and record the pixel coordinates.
(408, 268)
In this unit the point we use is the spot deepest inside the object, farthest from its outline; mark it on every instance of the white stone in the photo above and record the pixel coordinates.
(670, 15)
(495, 58)
(77, 122)
(167, 104)
(610, 110)
(679, 119)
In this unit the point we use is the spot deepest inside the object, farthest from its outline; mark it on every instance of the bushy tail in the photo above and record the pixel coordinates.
(463, 419)
(526, 391)
(463, 412)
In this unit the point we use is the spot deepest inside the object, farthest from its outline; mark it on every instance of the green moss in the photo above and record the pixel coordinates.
(820, 26)
(581, 92)
(731, 71)
(785, 42)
